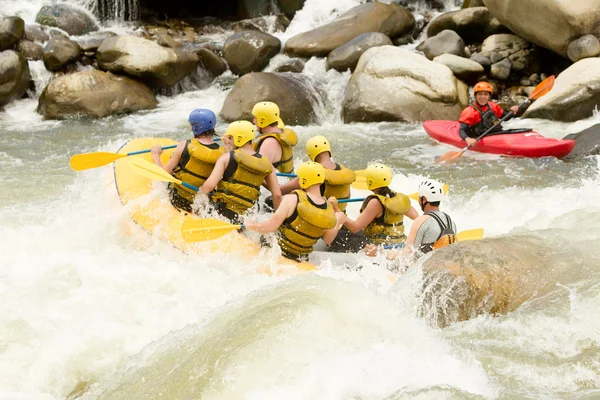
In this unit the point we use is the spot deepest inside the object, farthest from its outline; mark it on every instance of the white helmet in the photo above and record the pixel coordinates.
(433, 190)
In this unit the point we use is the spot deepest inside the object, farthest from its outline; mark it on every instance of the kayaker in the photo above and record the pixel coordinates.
(274, 140)
(382, 213)
(482, 114)
(192, 160)
(337, 184)
(239, 173)
(303, 217)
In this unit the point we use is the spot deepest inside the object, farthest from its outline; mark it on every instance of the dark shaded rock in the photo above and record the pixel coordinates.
(69, 19)
(262, 24)
(346, 56)
(587, 143)
(35, 33)
(211, 62)
(584, 47)
(14, 76)
(289, 7)
(60, 52)
(501, 69)
(93, 94)
(250, 51)
(402, 40)
(12, 30)
(484, 61)
(295, 65)
(445, 42)
(29, 50)
(473, 25)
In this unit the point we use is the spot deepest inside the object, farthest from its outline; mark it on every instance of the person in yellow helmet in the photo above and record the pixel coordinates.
(239, 173)
(337, 184)
(192, 160)
(274, 140)
(382, 213)
(303, 217)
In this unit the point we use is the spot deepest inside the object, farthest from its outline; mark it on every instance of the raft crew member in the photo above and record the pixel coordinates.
(192, 160)
(337, 184)
(303, 217)
(382, 213)
(274, 140)
(482, 114)
(238, 174)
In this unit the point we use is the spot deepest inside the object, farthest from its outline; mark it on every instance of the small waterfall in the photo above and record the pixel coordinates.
(117, 10)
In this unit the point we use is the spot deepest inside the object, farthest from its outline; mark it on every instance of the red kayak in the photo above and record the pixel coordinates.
(522, 144)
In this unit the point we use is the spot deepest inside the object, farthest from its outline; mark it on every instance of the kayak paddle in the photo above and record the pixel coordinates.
(200, 230)
(80, 162)
(463, 236)
(544, 87)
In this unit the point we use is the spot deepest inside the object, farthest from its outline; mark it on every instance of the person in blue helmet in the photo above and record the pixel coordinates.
(192, 160)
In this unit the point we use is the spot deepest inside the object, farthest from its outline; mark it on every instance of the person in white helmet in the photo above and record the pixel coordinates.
(434, 229)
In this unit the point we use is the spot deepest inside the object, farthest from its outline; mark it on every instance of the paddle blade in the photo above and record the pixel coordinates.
(415, 196)
(450, 156)
(80, 162)
(361, 172)
(471, 234)
(152, 171)
(542, 88)
(200, 230)
(360, 183)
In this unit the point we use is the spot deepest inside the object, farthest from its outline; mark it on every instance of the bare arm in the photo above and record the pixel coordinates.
(286, 208)
(412, 213)
(271, 149)
(290, 186)
(330, 234)
(372, 211)
(413, 233)
(273, 186)
(217, 174)
(173, 161)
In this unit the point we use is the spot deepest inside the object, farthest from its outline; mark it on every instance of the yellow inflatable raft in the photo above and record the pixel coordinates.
(155, 214)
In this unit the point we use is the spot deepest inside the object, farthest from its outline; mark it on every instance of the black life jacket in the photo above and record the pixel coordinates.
(487, 120)
(446, 237)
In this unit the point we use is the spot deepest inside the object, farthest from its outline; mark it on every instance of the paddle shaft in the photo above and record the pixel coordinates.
(507, 116)
(133, 153)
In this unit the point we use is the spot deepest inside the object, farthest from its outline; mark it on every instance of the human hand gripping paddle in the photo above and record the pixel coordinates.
(543, 88)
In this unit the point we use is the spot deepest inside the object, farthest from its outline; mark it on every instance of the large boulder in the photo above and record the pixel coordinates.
(70, 19)
(30, 50)
(295, 95)
(14, 76)
(93, 94)
(393, 84)
(60, 52)
(159, 67)
(12, 30)
(464, 69)
(445, 42)
(584, 47)
(552, 24)
(35, 33)
(346, 56)
(472, 24)
(575, 95)
(587, 143)
(505, 45)
(250, 51)
(389, 19)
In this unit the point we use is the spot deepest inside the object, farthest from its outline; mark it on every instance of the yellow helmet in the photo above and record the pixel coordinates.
(378, 175)
(310, 173)
(317, 145)
(266, 113)
(241, 131)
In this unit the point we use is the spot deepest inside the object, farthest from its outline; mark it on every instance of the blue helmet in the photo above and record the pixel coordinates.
(202, 120)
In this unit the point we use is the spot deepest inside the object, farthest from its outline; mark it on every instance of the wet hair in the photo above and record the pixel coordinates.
(276, 123)
(384, 191)
(210, 132)
(434, 203)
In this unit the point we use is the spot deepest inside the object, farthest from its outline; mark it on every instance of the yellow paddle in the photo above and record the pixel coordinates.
(463, 236)
(156, 173)
(80, 162)
(200, 230)
(544, 87)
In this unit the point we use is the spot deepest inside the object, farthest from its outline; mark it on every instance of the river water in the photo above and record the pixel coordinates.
(90, 309)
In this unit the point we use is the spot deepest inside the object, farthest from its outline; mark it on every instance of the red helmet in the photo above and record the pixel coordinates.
(483, 87)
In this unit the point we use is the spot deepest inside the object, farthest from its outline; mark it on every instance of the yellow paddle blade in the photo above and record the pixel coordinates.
(80, 162)
(200, 230)
(471, 234)
(450, 156)
(152, 171)
(360, 183)
(361, 172)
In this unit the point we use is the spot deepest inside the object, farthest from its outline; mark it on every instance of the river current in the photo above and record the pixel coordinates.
(90, 309)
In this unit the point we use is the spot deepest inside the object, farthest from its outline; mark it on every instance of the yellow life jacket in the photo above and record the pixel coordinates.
(195, 166)
(337, 184)
(389, 228)
(301, 230)
(287, 139)
(240, 191)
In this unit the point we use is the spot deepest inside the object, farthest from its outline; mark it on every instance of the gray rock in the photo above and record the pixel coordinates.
(389, 19)
(462, 68)
(157, 66)
(346, 56)
(473, 25)
(29, 50)
(166, 40)
(70, 19)
(59, 52)
(14, 76)
(501, 70)
(445, 42)
(587, 143)
(12, 30)
(294, 94)
(35, 33)
(584, 47)
(484, 61)
(262, 24)
(521, 53)
(91, 42)
(211, 62)
(93, 94)
(402, 40)
(250, 51)
(295, 65)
